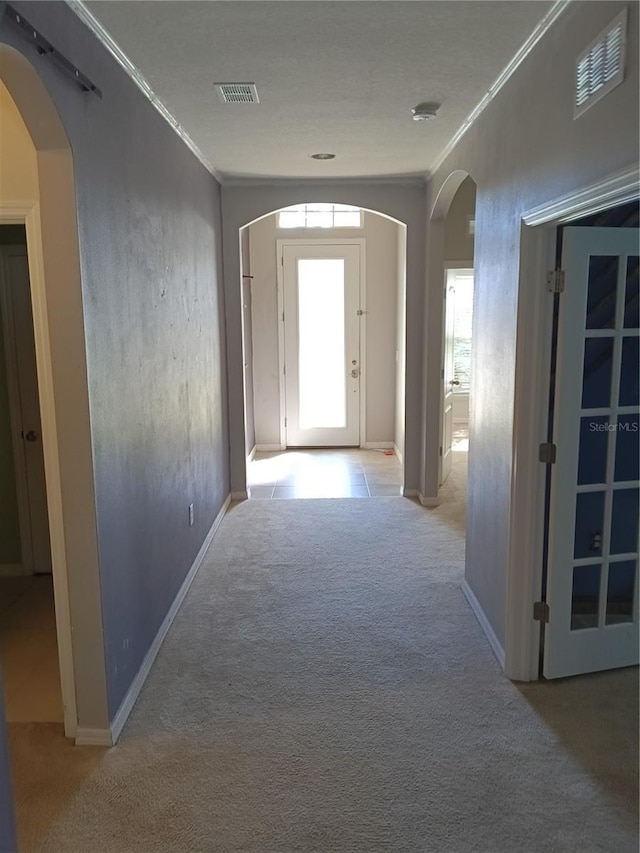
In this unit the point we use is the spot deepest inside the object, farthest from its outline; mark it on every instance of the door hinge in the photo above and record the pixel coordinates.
(285, 422)
(284, 370)
(555, 281)
(440, 451)
(547, 453)
(540, 611)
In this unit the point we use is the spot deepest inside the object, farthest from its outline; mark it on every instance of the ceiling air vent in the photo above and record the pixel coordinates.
(237, 93)
(600, 67)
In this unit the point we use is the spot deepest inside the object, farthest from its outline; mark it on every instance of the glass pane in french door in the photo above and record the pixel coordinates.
(607, 500)
(321, 342)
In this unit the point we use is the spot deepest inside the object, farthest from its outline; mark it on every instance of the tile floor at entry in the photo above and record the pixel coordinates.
(335, 472)
(325, 473)
(29, 650)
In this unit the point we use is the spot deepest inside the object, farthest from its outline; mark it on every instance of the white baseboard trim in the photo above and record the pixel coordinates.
(136, 685)
(268, 448)
(396, 450)
(93, 737)
(428, 502)
(239, 496)
(377, 445)
(484, 623)
(253, 452)
(12, 570)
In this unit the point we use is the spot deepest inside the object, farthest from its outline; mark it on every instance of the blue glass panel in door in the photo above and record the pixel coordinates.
(592, 459)
(589, 524)
(629, 373)
(624, 522)
(620, 591)
(596, 381)
(631, 309)
(585, 597)
(601, 294)
(627, 448)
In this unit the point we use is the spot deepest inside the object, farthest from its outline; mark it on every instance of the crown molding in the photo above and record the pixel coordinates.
(611, 191)
(81, 11)
(503, 78)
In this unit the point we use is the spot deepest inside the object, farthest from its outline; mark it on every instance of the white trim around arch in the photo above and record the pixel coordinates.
(537, 256)
(27, 213)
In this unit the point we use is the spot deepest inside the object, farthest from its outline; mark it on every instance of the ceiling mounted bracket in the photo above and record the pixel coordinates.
(45, 48)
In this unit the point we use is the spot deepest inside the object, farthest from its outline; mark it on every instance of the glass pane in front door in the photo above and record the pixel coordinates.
(321, 343)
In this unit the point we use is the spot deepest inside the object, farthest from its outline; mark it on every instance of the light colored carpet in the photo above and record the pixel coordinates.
(326, 689)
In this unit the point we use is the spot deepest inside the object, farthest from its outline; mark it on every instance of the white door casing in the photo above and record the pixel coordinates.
(592, 625)
(322, 309)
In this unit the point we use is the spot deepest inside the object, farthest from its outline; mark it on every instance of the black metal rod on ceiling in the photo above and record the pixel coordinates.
(45, 48)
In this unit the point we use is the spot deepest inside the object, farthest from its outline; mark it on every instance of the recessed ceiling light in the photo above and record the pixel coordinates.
(425, 111)
(323, 156)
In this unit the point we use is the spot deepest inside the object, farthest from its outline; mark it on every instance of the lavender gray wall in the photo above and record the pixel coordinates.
(518, 164)
(149, 234)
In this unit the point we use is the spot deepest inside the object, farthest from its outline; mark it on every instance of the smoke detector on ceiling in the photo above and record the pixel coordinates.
(237, 93)
(425, 111)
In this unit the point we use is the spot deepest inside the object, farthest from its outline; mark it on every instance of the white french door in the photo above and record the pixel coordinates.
(322, 312)
(592, 576)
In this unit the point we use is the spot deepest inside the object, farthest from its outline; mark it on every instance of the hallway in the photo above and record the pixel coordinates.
(325, 687)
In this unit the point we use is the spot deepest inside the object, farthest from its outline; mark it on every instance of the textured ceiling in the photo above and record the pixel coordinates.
(336, 77)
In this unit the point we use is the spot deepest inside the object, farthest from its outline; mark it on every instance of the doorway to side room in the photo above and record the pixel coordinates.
(28, 642)
(459, 233)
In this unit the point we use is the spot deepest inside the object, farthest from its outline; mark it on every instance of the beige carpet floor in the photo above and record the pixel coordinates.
(326, 689)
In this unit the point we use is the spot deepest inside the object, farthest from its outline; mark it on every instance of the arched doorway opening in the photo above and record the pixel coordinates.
(449, 358)
(38, 196)
(351, 355)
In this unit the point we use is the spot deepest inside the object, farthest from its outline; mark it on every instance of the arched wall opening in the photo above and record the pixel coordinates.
(381, 243)
(49, 216)
(450, 247)
(246, 204)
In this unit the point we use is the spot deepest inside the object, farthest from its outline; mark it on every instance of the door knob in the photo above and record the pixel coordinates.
(31, 436)
(454, 382)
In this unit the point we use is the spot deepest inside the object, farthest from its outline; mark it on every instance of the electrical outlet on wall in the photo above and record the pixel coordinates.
(190, 515)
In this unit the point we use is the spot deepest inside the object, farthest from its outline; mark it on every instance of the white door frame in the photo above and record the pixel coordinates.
(27, 213)
(533, 353)
(322, 241)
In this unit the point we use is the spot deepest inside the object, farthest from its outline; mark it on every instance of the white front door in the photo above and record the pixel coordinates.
(22, 384)
(592, 576)
(321, 285)
(448, 380)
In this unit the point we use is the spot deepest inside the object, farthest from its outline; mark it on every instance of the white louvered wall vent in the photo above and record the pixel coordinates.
(600, 67)
(237, 93)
